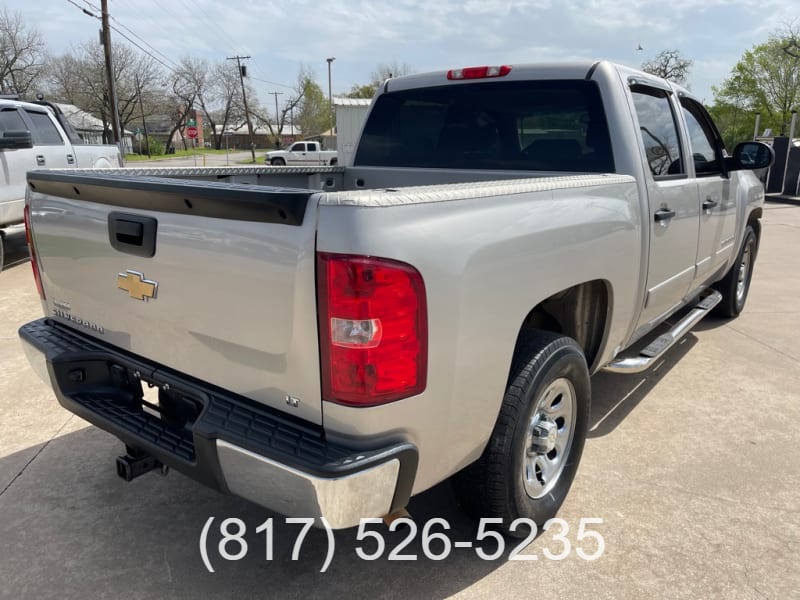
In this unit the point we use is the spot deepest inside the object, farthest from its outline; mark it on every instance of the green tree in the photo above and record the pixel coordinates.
(381, 73)
(767, 80)
(313, 112)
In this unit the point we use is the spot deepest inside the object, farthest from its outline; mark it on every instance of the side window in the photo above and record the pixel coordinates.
(659, 131)
(701, 139)
(44, 132)
(10, 120)
(312, 147)
(299, 148)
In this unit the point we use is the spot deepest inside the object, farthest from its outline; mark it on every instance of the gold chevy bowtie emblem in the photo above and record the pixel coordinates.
(137, 286)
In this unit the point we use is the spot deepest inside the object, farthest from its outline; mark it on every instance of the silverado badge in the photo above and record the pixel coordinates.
(136, 285)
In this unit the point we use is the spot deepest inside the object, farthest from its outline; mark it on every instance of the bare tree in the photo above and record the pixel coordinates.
(79, 78)
(791, 36)
(285, 113)
(22, 55)
(669, 64)
(188, 83)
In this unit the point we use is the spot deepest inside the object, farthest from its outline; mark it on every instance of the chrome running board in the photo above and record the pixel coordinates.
(658, 347)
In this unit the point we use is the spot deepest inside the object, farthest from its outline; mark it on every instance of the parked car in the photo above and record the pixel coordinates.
(302, 154)
(330, 342)
(38, 136)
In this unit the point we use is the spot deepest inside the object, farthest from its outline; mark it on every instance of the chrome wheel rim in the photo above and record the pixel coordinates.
(744, 272)
(548, 438)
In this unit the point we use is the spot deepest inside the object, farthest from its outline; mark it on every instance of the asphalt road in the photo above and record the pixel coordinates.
(692, 468)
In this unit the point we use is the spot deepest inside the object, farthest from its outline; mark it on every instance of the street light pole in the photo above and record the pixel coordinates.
(330, 92)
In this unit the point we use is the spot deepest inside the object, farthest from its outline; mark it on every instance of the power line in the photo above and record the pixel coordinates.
(140, 38)
(147, 52)
(272, 82)
(172, 69)
(83, 10)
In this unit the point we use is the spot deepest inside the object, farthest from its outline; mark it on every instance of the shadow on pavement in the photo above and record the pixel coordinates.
(72, 528)
(615, 396)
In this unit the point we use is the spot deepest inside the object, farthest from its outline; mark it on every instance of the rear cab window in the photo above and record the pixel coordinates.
(44, 131)
(11, 120)
(557, 125)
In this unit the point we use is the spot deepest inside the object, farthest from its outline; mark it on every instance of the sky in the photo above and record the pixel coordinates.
(285, 36)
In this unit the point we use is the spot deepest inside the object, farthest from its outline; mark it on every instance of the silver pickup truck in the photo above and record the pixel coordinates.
(38, 136)
(330, 341)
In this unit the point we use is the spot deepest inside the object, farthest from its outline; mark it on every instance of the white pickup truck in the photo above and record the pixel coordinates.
(329, 341)
(38, 136)
(302, 154)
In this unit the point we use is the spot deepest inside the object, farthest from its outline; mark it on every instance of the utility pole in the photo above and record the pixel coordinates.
(330, 93)
(239, 60)
(277, 116)
(112, 89)
(144, 123)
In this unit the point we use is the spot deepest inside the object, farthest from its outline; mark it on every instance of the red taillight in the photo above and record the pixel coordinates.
(373, 329)
(34, 263)
(479, 72)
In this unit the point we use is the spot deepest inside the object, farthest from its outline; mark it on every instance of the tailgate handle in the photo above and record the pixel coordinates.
(132, 234)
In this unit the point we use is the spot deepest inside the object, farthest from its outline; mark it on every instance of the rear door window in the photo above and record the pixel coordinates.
(525, 125)
(10, 120)
(659, 131)
(44, 132)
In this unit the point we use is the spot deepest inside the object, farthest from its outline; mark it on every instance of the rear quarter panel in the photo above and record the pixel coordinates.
(488, 254)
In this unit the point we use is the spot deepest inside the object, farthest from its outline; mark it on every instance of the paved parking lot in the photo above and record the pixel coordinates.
(693, 468)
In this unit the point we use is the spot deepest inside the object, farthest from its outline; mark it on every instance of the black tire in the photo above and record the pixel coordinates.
(497, 485)
(334, 162)
(736, 283)
(2, 250)
(277, 162)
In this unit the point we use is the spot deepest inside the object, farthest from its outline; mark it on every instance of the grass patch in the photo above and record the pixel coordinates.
(177, 154)
(249, 161)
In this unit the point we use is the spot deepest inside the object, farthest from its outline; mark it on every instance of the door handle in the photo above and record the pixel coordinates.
(709, 203)
(70, 159)
(40, 160)
(663, 214)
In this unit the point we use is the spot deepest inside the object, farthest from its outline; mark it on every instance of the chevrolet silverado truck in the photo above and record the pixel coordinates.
(301, 154)
(331, 341)
(36, 136)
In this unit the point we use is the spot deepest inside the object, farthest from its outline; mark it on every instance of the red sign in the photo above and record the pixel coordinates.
(191, 131)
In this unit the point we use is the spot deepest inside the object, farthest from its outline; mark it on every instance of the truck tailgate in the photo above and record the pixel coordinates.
(213, 280)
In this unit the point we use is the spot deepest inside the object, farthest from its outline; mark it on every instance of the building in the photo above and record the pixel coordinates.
(89, 127)
(238, 136)
(350, 116)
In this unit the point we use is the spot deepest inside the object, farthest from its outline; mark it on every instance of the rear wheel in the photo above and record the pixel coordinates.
(532, 456)
(277, 162)
(334, 162)
(736, 284)
(2, 251)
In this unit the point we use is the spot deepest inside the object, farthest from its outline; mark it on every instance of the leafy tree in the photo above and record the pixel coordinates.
(381, 73)
(767, 80)
(22, 55)
(313, 116)
(669, 64)
(366, 90)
